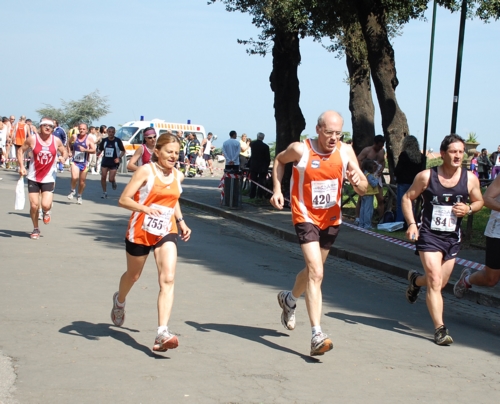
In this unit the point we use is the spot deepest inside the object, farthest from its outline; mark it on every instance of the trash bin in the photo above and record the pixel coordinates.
(232, 192)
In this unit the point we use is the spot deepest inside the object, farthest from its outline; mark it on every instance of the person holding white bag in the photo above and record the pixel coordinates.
(41, 178)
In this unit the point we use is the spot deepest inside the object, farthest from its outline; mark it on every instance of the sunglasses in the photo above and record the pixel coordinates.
(150, 137)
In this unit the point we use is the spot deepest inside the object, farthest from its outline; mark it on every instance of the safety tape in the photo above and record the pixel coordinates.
(411, 246)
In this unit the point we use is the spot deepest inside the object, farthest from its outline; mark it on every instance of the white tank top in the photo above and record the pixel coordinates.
(493, 227)
(208, 147)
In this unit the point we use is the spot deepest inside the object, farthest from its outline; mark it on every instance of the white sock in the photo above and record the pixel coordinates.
(120, 305)
(316, 329)
(467, 283)
(291, 300)
(162, 328)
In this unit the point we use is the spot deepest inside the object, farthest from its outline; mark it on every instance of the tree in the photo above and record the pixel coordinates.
(89, 108)
(283, 23)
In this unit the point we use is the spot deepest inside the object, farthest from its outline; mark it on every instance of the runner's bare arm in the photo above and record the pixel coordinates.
(61, 149)
(90, 146)
(138, 180)
(419, 185)
(461, 209)
(353, 173)
(292, 153)
(28, 143)
(185, 231)
(362, 155)
(70, 141)
(491, 194)
(132, 166)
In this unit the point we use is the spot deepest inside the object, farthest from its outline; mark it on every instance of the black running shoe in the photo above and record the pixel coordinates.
(413, 290)
(441, 336)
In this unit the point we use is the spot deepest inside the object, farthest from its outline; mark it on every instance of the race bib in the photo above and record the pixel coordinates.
(79, 157)
(443, 219)
(109, 152)
(158, 225)
(324, 193)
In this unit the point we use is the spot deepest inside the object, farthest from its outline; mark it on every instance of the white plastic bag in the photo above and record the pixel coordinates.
(20, 198)
(200, 162)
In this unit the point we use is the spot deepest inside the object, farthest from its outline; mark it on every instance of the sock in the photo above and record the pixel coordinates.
(414, 282)
(467, 283)
(73, 190)
(78, 195)
(316, 329)
(120, 305)
(291, 300)
(162, 328)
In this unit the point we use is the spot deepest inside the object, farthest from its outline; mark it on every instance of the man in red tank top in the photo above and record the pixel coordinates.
(315, 200)
(41, 178)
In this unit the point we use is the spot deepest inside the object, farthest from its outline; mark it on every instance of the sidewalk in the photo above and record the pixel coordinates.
(352, 245)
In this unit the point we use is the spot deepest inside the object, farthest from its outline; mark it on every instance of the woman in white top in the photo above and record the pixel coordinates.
(244, 152)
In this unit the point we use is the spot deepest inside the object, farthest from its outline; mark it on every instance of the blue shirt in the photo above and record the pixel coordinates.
(231, 151)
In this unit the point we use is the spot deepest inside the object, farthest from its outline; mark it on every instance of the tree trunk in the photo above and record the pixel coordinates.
(360, 100)
(285, 84)
(372, 18)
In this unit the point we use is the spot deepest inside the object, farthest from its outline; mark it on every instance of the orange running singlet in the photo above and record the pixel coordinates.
(316, 187)
(147, 230)
(20, 134)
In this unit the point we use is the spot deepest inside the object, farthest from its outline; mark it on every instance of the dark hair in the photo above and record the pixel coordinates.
(483, 149)
(232, 133)
(111, 127)
(164, 139)
(379, 139)
(102, 128)
(453, 138)
(367, 165)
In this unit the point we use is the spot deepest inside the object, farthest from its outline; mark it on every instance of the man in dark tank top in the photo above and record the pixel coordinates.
(448, 193)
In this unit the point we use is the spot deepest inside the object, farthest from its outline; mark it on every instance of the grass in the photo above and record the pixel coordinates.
(476, 239)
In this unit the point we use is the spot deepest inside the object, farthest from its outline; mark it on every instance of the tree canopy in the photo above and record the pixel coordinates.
(86, 110)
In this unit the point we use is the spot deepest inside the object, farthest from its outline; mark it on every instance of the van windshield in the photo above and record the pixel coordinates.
(125, 133)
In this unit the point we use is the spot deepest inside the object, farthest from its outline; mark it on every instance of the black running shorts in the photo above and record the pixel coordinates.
(139, 250)
(308, 232)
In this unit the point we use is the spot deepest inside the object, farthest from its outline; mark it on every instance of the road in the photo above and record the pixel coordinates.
(59, 345)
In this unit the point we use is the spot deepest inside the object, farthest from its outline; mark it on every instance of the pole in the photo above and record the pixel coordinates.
(429, 80)
(458, 72)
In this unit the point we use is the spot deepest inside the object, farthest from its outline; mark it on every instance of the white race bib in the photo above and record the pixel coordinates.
(443, 218)
(79, 157)
(158, 225)
(109, 152)
(324, 193)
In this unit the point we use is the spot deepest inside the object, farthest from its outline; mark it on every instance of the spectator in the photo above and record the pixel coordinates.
(244, 152)
(369, 168)
(231, 151)
(409, 165)
(61, 134)
(483, 165)
(495, 162)
(258, 165)
(473, 164)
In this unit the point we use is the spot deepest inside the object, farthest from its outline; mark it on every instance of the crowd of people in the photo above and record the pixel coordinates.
(320, 166)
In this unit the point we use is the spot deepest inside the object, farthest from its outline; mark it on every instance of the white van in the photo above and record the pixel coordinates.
(132, 133)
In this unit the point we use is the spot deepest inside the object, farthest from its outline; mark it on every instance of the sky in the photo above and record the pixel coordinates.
(179, 60)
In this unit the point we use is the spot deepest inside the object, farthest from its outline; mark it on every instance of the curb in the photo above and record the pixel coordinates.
(349, 255)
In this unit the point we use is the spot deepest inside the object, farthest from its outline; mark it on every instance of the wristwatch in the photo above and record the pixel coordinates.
(470, 211)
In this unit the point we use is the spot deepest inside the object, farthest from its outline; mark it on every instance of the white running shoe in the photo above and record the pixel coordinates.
(79, 200)
(71, 194)
(288, 313)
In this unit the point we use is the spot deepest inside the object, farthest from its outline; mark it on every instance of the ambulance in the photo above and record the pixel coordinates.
(132, 133)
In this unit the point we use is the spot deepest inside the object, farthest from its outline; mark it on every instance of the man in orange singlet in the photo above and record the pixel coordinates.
(319, 168)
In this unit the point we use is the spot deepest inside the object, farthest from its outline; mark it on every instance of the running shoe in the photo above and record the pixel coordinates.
(165, 340)
(460, 288)
(412, 291)
(46, 217)
(72, 194)
(104, 195)
(117, 313)
(113, 184)
(35, 234)
(442, 337)
(320, 343)
(288, 313)
(79, 200)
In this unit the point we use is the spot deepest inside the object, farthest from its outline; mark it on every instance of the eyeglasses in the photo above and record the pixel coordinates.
(150, 137)
(332, 133)
(49, 126)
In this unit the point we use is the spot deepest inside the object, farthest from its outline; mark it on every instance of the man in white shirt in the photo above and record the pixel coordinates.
(231, 152)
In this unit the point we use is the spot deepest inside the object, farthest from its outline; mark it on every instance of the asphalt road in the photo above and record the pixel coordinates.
(59, 345)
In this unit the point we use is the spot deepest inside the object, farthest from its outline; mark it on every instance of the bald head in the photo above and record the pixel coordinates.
(330, 115)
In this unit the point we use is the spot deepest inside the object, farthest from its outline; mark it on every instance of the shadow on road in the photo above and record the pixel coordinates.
(380, 323)
(93, 332)
(13, 233)
(255, 334)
